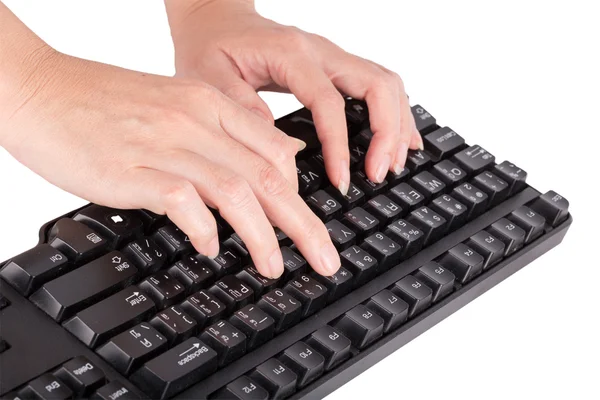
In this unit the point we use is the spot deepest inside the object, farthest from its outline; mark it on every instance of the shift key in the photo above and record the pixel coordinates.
(176, 369)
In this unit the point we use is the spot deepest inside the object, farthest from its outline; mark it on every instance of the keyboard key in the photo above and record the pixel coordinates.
(243, 388)
(118, 312)
(277, 378)
(228, 341)
(306, 362)
(75, 240)
(46, 387)
(425, 122)
(338, 284)
(4, 302)
(151, 220)
(174, 324)
(407, 197)
(237, 245)
(472, 197)
(146, 255)
(512, 174)
(438, 278)
(354, 198)
(443, 143)
(552, 206)
(283, 308)
(324, 205)
(512, 235)
(392, 309)
(384, 209)
(3, 345)
(474, 159)
(225, 263)
(192, 273)
(341, 236)
(368, 186)
(282, 238)
(117, 226)
(233, 292)
(491, 248)
(72, 292)
(163, 289)
(364, 137)
(463, 261)
(173, 240)
(293, 263)
(362, 265)
(385, 250)
(309, 178)
(253, 322)
(331, 344)
(415, 293)
(204, 307)
(256, 281)
(176, 369)
(81, 375)
(449, 173)
(115, 390)
(452, 210)
(427, 184)
(530, 221)
(361, 221)
(361, 326)
(357, 112)
(410, 237)
(357, 156)
(494, 187)
(127, 351)
(394, 178)
(311, 293)
(417, 161)
(431, 224)
(31, 269)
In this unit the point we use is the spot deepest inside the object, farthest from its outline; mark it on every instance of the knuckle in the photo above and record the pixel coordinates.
(178, 195)
(236, 191)
(283, 148)
(314, 229)
(271, 181)
(296, 39)
(204, 231)
(332, 98)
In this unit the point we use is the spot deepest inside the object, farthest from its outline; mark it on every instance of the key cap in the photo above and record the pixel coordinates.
(174, 324)
(332, 345)
(282, 238)
(114, 390)
(368, 186)
(75, 240)
(228, 341)
(427, 184)
(309, 180)
(338, 284)
(364, 137)
(354, 198)
(512, 235)
(3, 345)
(243, 388)
(357, 112)
(256, 281)
(324, 205)
(118, 312)
(431, 224)
(233, 292)
(361, 221)
(29, 270)
(385, 250)
(474, 159)
(277, 378)
(463, 261)
(253, 322)
(117, 226)
(176, 369)
(81, 375)
(472, 197)
(362, 265)
(204, 307)
(46, 387)
(530, 221)
(283, 308)
(151, 220)
(407, 197)
(4, 302)
(438, 278)
(64, 296)
(384, 209)
(127, 351)
(392, 309)
(406, 234)
(415, 293)
(513, 175)
(173, 240)
(311, 293)
(293, 263)
(417, 161)
(552, 206)
(357, 155)
(237, 245)
(361, 326)
(394, 178)
(300, 128)
(449, 173)
(163, 289)
(453, 211)
(425, 122)
(225, 263)
(306, 362)
(443, 143)
(192, 273)
(489, 247)
(494, 187)
(146, 255)
(341, 236)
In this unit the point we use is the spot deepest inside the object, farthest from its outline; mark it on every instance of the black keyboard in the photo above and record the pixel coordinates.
(116, 304)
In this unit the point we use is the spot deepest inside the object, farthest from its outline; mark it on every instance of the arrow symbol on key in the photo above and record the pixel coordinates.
(194, 347)
(135, 294)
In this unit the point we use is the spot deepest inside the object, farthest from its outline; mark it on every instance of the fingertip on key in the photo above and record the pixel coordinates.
(275, 265)
(330, 260)
(212, 250)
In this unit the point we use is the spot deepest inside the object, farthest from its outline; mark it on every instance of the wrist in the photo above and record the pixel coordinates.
(180, 11)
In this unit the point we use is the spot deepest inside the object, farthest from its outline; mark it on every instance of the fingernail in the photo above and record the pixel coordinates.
(383, 168)
(400, 158)
(330, 259)
(261, 114)
(420, 140)
(275, 264)
(344, 178)
(213, 248)
(299, 143)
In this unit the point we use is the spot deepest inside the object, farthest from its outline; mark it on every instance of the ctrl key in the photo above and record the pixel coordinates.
(46, 387)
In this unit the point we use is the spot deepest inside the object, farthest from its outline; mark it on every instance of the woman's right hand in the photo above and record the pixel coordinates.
(126, 139)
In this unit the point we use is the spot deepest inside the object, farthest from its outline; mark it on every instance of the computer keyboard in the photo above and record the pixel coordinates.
(116, 304)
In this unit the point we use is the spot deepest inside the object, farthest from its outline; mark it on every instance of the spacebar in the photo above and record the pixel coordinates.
(334, 310)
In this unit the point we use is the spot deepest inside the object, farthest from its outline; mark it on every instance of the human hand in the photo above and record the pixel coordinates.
(228, 44)
(132, 140)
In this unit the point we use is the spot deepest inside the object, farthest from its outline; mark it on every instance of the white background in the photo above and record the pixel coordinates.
(519, 78)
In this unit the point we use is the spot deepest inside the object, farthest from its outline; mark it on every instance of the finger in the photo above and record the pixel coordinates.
(233, 197)
(163, 193)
